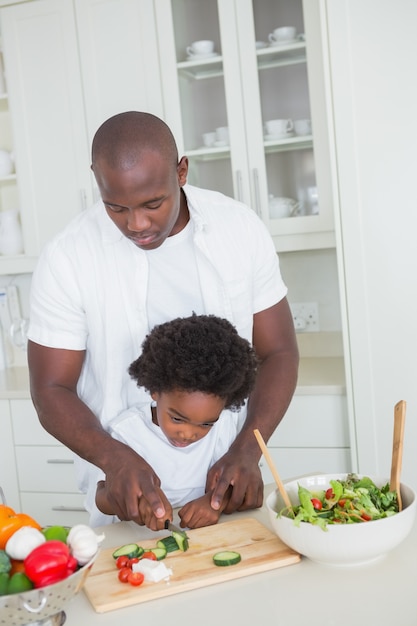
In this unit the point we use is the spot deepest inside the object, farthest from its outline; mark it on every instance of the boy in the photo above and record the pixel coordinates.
(194, 368)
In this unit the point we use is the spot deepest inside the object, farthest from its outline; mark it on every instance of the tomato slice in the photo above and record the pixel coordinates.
(149, 555)
(132, 561)
(136, 578)
(123, 574)
(122, 561)
(317, 504)
(329, 494)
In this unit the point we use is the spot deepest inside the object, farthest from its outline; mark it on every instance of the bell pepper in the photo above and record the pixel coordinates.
(11, 521)
(49, 563)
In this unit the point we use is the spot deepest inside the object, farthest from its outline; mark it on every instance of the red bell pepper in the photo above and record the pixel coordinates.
(49, 563)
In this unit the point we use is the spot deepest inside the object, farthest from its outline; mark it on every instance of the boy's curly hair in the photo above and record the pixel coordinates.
(197, 353)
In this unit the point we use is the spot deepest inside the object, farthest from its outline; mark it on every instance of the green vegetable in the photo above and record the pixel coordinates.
(131, 550)
(19, 583)
(159, 552)
(348, 501)
(56, 532)
(168, 543)
(5, 565)
(226, 557)
(4, 583)
(181, 539)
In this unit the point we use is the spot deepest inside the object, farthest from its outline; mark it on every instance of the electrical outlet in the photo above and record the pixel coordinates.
(305, 316)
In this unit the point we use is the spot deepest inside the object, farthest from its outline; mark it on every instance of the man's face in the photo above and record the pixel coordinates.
(145, 202)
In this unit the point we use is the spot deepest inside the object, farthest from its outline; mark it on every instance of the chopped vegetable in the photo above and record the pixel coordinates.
(160, 553)
(83, 542)
(23, 541)
(168, 543)
(350, 501)
(130, 550)
(181, 539)
(226, 557)
(135, 578)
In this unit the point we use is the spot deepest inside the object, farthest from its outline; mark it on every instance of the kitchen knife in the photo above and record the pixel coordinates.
(173, 528)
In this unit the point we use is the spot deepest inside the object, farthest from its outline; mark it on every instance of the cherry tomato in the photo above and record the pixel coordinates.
(123, 574)
(136, 578)
(342, 502)
(149, 555)
(122, 561)
(133, 560)
(329, 494)
(316, 503)
(366, 517)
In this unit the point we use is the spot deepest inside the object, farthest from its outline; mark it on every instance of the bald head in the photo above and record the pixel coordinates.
(122, 140)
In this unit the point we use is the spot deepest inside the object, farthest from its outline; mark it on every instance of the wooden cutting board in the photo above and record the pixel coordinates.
(260, 549)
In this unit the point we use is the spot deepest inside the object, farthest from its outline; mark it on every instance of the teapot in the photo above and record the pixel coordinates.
(282, 207)
(11, 240)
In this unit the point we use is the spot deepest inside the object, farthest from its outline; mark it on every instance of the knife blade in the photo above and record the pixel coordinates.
(173, 528)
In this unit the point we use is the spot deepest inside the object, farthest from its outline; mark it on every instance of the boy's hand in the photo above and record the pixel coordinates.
(198, 513)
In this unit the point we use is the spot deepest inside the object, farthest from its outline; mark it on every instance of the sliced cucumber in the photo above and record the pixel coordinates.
(159, 552)
(227, 557)
(168, 543)
(181, 539)
(131, 550)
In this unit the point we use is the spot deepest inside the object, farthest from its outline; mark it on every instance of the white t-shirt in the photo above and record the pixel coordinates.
(182, 471)
(89, 292)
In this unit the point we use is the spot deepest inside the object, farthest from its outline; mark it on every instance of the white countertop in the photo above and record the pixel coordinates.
(303, 594)
(316, 375)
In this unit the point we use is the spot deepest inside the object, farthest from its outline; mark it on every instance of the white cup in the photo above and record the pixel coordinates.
(278, 127)
(283, 34)
(302, 127)
(222, 134)
(200, 48)
(209, 138)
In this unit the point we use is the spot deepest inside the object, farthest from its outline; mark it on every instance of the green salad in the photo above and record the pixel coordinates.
(351, 501)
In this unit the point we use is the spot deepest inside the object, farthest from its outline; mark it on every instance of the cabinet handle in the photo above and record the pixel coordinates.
(61, 461)
(256, 189)
(239, 185)
(61, 507)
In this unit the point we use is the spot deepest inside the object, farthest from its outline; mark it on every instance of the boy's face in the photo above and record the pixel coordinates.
(186, 417)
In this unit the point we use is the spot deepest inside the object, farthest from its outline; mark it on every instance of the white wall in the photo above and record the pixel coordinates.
(373, 47)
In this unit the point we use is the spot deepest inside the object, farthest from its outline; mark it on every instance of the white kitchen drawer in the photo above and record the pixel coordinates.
(55, 508)
(46, 469)
(313, 421)
(293, 462)
(27, 430)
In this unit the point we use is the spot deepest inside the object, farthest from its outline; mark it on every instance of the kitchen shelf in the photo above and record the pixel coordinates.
(11, 178)
(276, 56)
(202, 68)
(290, 143)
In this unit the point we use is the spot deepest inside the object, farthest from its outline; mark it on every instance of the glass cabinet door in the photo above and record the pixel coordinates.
(244, 111)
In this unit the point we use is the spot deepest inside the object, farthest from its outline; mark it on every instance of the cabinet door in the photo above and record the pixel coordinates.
(8, 472)
(120, 63)
(47, 115)
(244, 83)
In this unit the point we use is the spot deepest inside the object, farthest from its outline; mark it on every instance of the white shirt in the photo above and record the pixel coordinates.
(182, 471)
(83, 294)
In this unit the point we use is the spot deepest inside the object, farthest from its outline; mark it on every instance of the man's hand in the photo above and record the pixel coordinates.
(244, 476)
(133, 490)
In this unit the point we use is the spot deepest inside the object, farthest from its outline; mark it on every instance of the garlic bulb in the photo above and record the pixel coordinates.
(23, 541)
(83, 542)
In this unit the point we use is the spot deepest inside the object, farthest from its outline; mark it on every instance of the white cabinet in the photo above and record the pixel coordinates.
(313, 437)
(8, 474)
(45, 470)
(241, 88)
(70, 64)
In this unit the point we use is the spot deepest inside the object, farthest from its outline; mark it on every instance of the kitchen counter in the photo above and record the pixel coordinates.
(304, 593)
(316, 376)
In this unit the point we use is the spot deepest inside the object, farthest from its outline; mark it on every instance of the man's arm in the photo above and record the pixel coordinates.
(54, 374)
(276, 346)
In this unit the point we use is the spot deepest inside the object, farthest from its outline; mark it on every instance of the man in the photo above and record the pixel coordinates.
(159, 249)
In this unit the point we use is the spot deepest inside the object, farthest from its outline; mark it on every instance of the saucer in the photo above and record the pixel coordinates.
(260, 45)
(193, 57)
(220, 144)
(287, 42)
(290, 133)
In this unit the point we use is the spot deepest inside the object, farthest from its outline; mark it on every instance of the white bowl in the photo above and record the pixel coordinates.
(345, 544)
